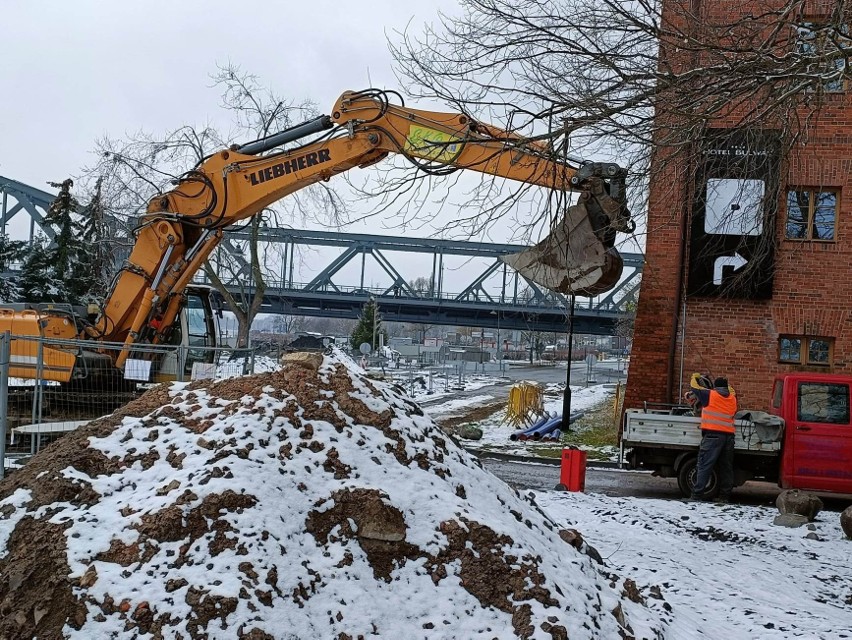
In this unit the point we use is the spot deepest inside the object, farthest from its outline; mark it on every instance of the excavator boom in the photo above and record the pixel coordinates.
(183, 226)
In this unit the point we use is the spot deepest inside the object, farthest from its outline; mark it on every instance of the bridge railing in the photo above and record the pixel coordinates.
(548, 301)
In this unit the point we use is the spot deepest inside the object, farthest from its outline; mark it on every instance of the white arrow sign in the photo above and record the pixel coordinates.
(736, 261)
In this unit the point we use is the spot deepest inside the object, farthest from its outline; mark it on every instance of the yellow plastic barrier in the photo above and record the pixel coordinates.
(525, 405)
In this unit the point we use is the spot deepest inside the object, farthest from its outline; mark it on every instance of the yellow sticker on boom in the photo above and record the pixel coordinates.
(431, 144)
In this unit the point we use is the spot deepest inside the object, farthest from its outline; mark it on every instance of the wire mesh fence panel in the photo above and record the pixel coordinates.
(57, 385)
(5, 357)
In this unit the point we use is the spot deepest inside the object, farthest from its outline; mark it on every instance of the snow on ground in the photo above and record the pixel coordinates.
(457, 406)
(496, 432)
(726, 571)
(416, 383)
(30, 382)
(239, 366)
(264, 364)
(10, 462)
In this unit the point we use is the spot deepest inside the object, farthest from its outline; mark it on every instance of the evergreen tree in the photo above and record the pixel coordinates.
(62, 270)
(10, 252)
(365, 331)
(59, 215)
(38, 281)
(98, 258)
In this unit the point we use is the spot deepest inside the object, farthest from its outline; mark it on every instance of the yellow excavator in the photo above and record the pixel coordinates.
(183, 226)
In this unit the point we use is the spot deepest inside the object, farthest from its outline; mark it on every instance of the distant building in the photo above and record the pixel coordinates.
(421, 354)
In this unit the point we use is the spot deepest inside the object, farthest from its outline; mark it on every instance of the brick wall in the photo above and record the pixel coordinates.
(739, 338)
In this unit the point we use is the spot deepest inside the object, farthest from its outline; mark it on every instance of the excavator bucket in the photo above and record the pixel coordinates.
(572, 259)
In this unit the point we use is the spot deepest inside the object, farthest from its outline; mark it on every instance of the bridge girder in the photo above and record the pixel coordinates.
(29, 200)
(519, 304)
(349, 304)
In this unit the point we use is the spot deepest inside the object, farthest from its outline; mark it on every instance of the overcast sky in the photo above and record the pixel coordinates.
(74, 71)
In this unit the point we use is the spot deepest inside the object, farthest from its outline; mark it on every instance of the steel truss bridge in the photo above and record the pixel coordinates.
(515, 303)
(25, 199)
(491, 295)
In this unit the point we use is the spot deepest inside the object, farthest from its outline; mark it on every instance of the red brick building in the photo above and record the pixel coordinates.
(796, 310)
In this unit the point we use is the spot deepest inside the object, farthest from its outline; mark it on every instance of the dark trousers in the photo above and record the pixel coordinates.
(716, 450)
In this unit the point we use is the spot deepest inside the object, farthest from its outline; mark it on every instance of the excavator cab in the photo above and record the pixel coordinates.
(196, 335)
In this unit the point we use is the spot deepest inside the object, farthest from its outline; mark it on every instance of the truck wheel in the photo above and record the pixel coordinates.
(686, 479)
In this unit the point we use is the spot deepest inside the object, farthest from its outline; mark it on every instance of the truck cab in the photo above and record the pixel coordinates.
(817, 451)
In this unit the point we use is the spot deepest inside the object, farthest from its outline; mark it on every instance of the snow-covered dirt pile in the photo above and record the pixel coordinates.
(309, 502)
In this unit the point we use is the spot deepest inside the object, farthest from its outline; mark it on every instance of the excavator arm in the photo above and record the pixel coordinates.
(183, 226)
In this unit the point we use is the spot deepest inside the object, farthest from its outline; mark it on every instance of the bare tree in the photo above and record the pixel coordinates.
(287, 324)
(330, 326)
(624, 324)
(131, 171)
(638, 81)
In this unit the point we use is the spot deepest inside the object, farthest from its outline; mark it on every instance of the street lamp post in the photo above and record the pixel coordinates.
(499, 355)
(375, 313)
(373, 342)
(566, 396)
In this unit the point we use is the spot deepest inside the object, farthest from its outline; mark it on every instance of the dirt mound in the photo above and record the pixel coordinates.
(309, 502)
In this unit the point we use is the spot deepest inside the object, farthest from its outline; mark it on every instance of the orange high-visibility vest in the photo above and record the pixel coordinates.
(718, 415)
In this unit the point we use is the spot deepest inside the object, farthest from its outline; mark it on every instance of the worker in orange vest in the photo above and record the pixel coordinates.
(718, 407)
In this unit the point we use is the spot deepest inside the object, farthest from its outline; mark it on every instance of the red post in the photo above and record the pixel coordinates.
(572, 474)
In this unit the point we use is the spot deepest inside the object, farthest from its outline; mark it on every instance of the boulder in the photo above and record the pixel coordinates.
(791, 520)
(469, 432)
(576, 540)
(308, 360)
(800, 503)
(846, 522)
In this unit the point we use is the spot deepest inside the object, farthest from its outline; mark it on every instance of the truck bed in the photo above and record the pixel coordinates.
(663, 430)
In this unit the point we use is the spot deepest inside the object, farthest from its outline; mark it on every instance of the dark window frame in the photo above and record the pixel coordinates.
(806, 353)
(808, 221)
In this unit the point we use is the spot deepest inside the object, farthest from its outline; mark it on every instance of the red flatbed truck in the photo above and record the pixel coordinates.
(801, 440)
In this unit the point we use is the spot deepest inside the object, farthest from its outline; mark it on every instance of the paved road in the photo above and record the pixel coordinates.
(639, 484)
(605, 371)
(615, 482)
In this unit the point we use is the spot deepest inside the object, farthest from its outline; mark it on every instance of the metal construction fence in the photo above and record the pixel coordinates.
(49, 387)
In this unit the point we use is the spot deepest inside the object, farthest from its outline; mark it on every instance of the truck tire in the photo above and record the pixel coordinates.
(686, 479)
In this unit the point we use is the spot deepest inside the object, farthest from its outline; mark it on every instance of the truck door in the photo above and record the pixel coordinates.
(820, 432)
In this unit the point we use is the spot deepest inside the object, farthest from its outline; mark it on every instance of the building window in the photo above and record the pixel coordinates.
(810, 350)
(823, 48)
(790, 349)
(819, 351)
(811, 214)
